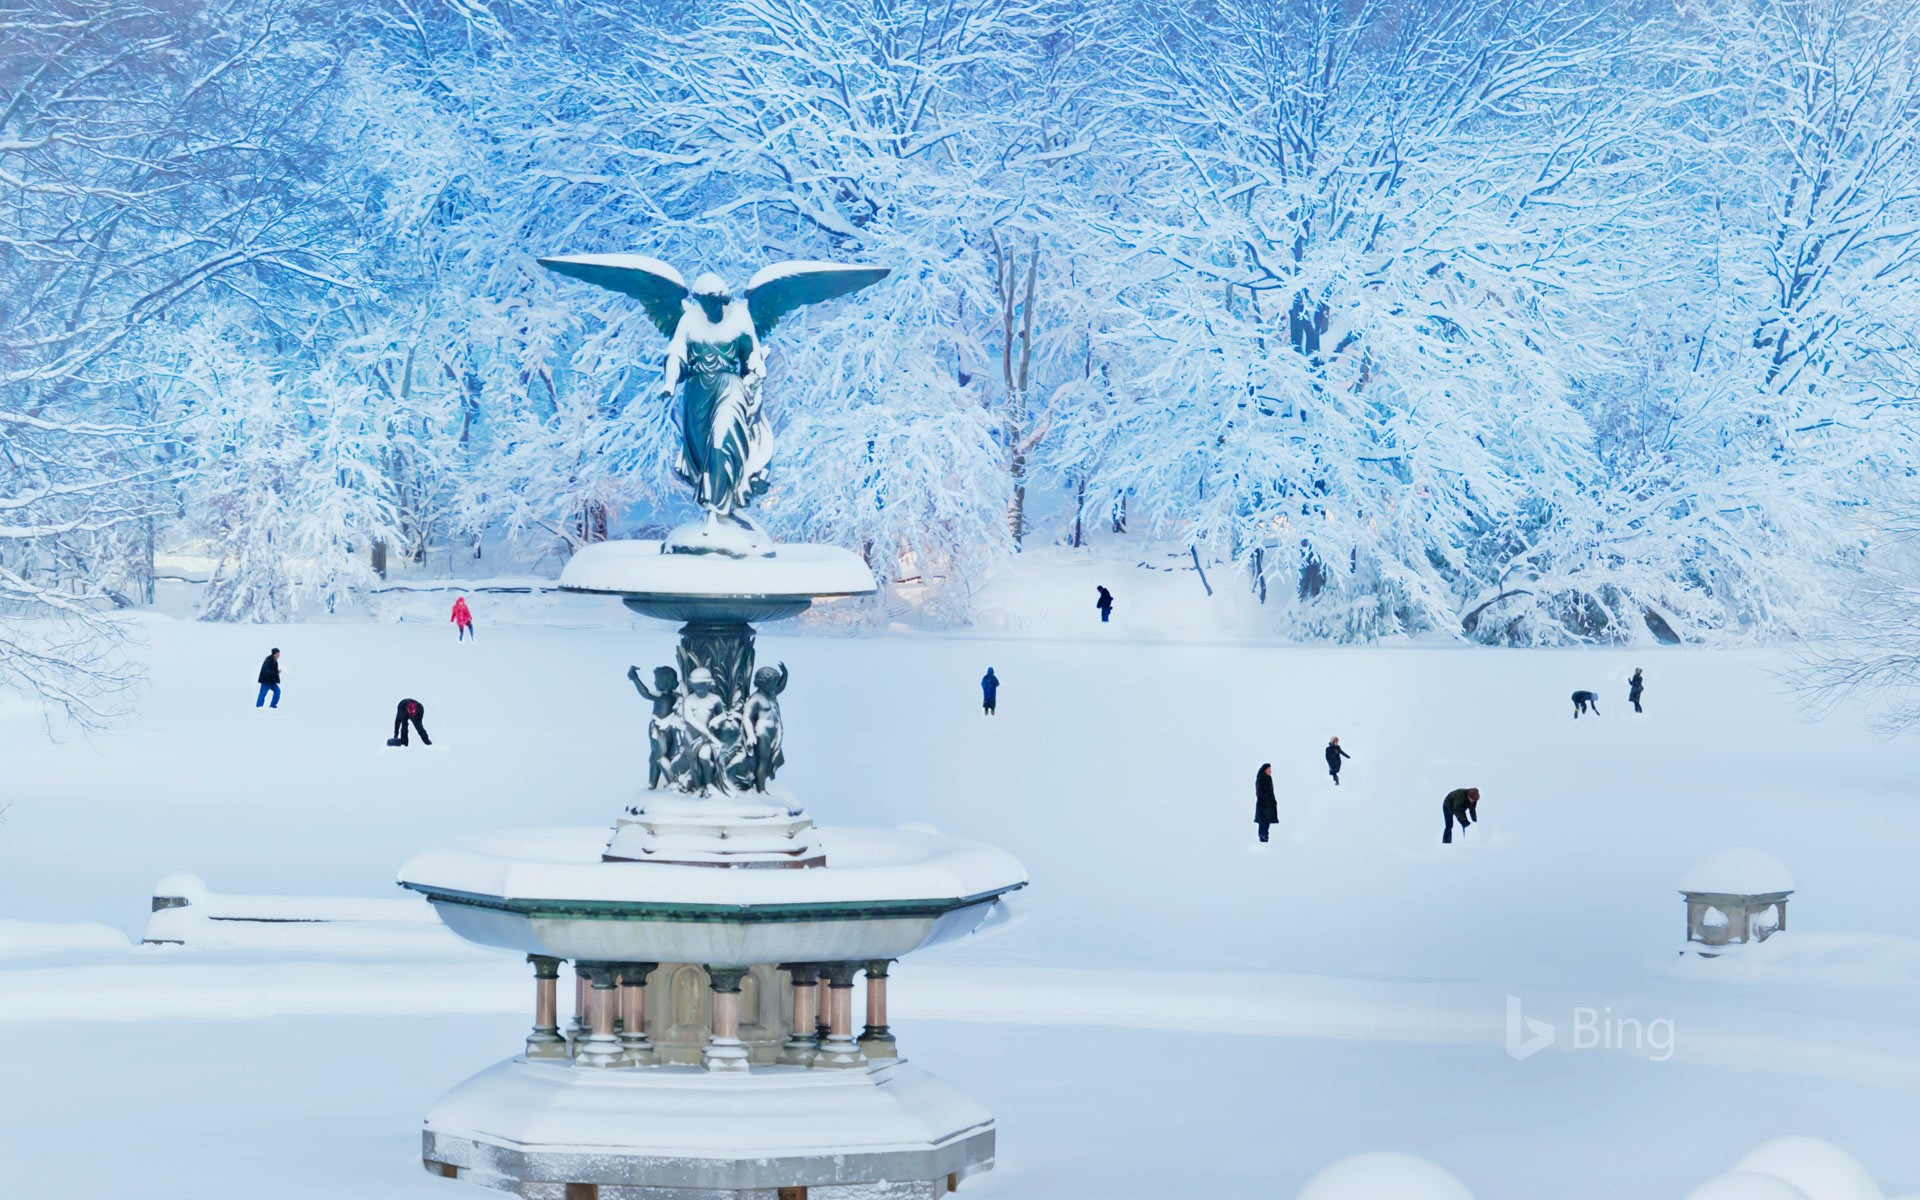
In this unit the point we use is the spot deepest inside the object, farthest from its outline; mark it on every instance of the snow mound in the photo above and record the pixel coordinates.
(23, 939)
(1820, 1169)
(1741, 872)
(1387, 1175)
(1745, 1185)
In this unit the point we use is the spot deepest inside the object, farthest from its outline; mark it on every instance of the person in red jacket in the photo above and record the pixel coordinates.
(462, 618)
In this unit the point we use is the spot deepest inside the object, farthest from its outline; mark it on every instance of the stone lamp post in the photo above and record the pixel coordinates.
(1734, 898)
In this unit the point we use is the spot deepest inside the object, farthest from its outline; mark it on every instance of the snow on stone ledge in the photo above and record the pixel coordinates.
(639, 567)
(1384, 1175)
(1741, 872)
(862, 865)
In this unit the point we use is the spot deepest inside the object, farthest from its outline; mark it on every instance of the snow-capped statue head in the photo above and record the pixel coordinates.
(710, 284)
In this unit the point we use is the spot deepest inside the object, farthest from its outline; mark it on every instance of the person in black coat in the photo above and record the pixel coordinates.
(1462, 808)
(989, 692)
(1104, 602)
(405, 713)
(1334, 755)
(269, 679)
(1586, 702)
(1635, 686)
(1266, 813)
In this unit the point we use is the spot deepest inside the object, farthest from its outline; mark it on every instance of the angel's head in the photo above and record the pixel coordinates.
(712, 293)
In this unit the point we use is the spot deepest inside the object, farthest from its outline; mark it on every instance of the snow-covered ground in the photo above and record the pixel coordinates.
(1174, 1012)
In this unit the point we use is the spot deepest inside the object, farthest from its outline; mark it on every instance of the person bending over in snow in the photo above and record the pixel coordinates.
(1266, 813)
(462, 619)
(1585, 702)
(989, 692)
(1104, 602)
(1635, 686)
(1462, 808)
(269, 679)
(1334, 755)
(405, 713)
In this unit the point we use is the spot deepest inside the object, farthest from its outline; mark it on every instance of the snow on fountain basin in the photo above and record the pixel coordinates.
(640, 568)
(884, 893)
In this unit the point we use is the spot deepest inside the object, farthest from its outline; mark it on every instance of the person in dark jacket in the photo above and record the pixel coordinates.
(405, 713)
(269, 679)
(1462, 808)
(1334, 755)
(1104, 602)
(989, 692)
(1635, 686)
(1586, 702)
(1266, 813)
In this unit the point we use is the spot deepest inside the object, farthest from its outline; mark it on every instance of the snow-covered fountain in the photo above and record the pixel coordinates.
(715, 933)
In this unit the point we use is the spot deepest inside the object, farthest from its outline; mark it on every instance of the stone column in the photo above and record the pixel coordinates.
(545, 1041)
(577, 1031)
(839, 1049)
(724, 1050)
(600, 1048)
(635, 1049)
(876, 1041)
(803, 1042)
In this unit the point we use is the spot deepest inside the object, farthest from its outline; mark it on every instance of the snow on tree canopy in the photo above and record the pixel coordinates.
(1383, 1175)
(1817, 1168)
(1740, 872)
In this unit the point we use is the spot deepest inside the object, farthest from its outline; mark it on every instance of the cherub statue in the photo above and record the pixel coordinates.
(761, 716)
(711, 734)
(716, 360)
(665, 728)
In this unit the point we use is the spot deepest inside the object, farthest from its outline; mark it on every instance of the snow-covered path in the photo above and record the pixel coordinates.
(1347, 984)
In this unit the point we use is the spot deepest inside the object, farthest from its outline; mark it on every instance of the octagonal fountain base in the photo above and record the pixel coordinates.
(551, 1131)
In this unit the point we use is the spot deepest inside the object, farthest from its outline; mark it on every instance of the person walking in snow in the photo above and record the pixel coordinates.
(462, 619)
(989, 692)
(1105, 604)
(269, 679)
(1334, 755)
(1462, 808)
(1586, 702)
(1635, 686)
(1266, 813)
(405, 713)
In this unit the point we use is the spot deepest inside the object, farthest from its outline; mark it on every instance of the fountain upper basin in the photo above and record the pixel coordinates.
(883, 894)
(691, 587)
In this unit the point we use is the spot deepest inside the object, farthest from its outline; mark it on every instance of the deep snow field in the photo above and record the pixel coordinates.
(1173, 1011)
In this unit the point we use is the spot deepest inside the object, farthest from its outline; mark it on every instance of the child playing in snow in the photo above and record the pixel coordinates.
(405, 713)
(1462, 808)
(1334, 755)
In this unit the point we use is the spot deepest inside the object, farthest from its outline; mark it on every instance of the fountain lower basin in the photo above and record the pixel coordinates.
(884, 894)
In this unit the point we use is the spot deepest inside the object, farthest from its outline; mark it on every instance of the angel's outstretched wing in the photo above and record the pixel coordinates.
(775, 291)
(657, 286)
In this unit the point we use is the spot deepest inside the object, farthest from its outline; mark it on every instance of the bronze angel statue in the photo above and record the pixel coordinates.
(716, 362)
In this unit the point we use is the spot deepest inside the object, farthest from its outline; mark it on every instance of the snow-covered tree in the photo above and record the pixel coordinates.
(147, 156)
(1366, 237)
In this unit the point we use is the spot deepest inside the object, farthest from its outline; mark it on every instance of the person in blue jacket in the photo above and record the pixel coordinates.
(989, 691)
